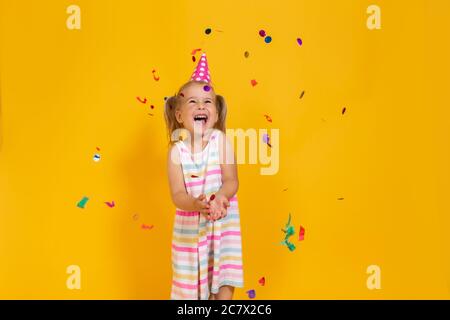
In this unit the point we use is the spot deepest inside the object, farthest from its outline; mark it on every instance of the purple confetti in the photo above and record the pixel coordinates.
(251, 294)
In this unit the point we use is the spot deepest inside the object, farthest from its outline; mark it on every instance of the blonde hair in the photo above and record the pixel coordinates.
(173, 103)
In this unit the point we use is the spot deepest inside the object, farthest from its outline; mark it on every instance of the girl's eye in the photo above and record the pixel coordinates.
(208, 101)
(191, 101)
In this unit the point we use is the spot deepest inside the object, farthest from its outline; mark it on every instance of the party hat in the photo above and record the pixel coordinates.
(201, 72)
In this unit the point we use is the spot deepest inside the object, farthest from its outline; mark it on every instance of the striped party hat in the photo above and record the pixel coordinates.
(201, 72)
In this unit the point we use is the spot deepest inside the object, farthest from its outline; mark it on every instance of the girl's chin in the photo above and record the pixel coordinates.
(200, 127)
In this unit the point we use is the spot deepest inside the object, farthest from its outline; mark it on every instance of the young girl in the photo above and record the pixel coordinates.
(206, 243)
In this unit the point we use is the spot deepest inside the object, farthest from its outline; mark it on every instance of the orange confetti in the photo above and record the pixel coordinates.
(154, 76)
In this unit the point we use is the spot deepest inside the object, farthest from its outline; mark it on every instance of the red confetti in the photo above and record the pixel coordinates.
(213, 196)
(268, 118)
(301, 234)
(262, 281)
(254, 83)
(155, 77)
(147, 227)
(152, 107)
(194, 176)
(142, 101)
(343, 110)
(98, 149)
(195, 51)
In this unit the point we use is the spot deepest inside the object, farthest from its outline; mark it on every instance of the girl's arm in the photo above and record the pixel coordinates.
(178, 192)
(230, 182)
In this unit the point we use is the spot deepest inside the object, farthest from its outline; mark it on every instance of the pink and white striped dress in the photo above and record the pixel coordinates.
(205, 255)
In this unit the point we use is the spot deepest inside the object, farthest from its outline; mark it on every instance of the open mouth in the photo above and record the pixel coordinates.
(201, 117)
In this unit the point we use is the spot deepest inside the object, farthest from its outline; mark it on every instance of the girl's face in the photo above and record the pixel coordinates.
(197, 109)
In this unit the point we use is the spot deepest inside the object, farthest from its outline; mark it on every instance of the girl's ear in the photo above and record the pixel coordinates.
(178, 116)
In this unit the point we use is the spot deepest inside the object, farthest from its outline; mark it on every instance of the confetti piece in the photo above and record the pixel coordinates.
(343, 110)
(302, 94)
(194, 176)
(207, 88)
(268, 39)
(82, 202)
(98, 149)
(144, 226)
(110, 204)
(301, 234)
(268, 118)
(152, 107)
(285, 189)
(253, 82)
(195, 51)
(251, 294)
(299, 41)
(213, 196)
(290, 246)
(150, 114)
(289, 230)
(142, 101)
(154, 76)
(135, 217)
(193, 58)
(96, 157)
(262, 33)
(340, 198)
(266, 139)
(208, 31)
(246, 54)
(262, 281)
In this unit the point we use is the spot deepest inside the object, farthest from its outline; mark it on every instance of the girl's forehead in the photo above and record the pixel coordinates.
(197, 91)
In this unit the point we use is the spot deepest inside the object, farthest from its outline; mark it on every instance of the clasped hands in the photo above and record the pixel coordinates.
(214, 209)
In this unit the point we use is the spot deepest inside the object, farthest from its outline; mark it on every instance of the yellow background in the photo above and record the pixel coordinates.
(65, 92)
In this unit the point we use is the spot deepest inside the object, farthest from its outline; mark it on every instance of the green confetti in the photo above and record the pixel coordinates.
(82, 202)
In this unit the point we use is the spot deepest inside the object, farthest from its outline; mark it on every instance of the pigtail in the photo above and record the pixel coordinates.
(221, 106)
(172, 124)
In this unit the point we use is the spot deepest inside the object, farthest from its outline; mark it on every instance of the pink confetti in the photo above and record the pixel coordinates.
(110, 204)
